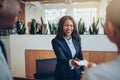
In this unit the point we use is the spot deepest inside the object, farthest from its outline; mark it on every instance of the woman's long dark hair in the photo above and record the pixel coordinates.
(60, 32)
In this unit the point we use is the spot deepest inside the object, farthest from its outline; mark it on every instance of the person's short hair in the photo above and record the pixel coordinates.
(113, 12)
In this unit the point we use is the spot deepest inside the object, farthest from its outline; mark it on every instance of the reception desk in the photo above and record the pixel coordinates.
(32, 55)
(96, 48)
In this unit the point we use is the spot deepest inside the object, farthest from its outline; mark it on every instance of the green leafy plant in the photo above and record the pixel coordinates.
(53, 28)
(33, 27)
(42, 28)
(38, 28)
(93, 29)
(81, 27)
(20, 27)
(45, 30)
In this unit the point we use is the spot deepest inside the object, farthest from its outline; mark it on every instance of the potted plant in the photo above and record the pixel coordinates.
(93, 29)
(53, 28)
(33, 27)
(20, 27)
(81, 27)
(42, 28)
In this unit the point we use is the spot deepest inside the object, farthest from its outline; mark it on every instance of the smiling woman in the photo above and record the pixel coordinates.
(67, 48)
(68, 28)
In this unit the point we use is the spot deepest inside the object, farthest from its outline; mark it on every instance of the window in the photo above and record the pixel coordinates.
(86, 14)
(53, 15)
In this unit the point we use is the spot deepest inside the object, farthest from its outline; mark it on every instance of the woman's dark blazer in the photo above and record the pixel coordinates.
(63, 54)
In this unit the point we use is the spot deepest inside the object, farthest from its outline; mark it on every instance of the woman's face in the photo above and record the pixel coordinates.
(68, 28)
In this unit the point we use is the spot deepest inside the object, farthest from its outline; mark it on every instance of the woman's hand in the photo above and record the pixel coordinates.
(75, 64)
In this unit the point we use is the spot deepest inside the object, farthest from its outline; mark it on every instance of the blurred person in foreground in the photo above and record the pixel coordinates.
(111, 69)
(9, 9)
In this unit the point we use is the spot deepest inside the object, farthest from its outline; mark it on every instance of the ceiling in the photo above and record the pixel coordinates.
(61, 1)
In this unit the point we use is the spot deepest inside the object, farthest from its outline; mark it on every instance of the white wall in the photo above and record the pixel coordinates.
(18, 44)
(33, 12)
(38, 10)
(97, 43)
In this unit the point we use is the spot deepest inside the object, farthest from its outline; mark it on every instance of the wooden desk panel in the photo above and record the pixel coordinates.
(100, 57)
(30, 59)
(92, 56)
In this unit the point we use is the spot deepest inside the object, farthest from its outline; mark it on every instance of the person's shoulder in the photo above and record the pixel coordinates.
(76, 37)
(104, 68)
(103, 72)
(93, 73)
(56, 39)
